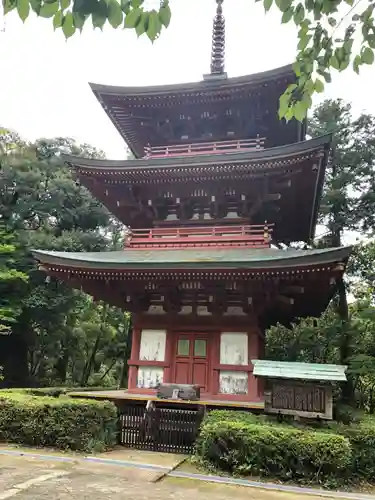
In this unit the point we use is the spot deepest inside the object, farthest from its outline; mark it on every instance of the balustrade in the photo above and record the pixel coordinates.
(204, 148)
(255, 236)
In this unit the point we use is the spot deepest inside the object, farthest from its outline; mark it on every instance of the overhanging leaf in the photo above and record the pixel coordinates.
(115, 14)
(154, 25)
(23, 9)
(165, 15)
(142, 25)
(79, 20)
(85, 7)
(68, 25)
(58, 19)
(287, 15)
(267, 4)
(357, 63)
(303, 42)
(99, 16)
(300, 110)
(133, 18)
(367, 55)
(299, 14)
(283, 5)
(49, 9)
(125, 6)
(9, 5)
(335, 62)
(318, 86)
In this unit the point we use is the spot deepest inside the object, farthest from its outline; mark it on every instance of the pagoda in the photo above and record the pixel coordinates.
(217, 191)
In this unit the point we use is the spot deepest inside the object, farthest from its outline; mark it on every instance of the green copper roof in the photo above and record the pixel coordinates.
(251, 157)
(209, 84)
(193, 258)
(301, 371)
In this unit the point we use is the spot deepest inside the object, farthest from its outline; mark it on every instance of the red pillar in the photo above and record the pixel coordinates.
(256, 351)
(215, 361)
(170, 345)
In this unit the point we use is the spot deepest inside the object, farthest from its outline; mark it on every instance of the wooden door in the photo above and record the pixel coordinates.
(191, 360)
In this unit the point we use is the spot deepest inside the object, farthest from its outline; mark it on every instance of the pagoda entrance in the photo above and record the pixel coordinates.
(191, 359)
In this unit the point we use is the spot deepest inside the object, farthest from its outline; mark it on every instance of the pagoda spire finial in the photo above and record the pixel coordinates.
(218, 41)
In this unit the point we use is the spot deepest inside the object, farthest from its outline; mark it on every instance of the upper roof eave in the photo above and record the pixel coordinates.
(236, 157)
(209, 84)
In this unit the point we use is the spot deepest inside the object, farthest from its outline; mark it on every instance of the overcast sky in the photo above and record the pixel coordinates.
(43, 83)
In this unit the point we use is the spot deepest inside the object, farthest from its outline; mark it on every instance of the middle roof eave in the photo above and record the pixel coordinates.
(299, 148)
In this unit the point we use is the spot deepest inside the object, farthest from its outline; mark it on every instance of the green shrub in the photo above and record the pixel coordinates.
(362, 439)
(346, 414)
(64, 422)
(56, 391)
(233, 416)
(240, 445)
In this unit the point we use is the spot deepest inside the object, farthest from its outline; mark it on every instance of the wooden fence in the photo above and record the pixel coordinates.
(172, 430)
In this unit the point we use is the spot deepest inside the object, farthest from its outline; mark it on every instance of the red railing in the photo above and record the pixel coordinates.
(201, 148)
(255, 236)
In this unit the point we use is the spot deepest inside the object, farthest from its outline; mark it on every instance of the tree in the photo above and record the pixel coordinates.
(332, 34)
(12, 283)
(348, 202)
(49, 210)
(311, 340)
(319, 340)
(57, 335)
(345, 333)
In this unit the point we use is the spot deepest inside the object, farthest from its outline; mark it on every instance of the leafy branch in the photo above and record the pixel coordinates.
(332, 34)
(72, 16)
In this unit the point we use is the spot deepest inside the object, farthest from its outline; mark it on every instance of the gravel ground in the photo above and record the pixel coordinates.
(25, 478)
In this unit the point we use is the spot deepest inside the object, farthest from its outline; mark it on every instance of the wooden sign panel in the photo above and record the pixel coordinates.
(300, 399)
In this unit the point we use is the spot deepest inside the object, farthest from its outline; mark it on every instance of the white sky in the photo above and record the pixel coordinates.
(43, 83)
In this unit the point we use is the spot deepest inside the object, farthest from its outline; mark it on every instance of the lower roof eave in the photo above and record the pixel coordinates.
(270, 261)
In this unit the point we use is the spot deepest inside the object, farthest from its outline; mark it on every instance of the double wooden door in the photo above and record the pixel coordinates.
(191, 360)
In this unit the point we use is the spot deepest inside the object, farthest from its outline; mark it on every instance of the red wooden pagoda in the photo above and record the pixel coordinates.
(219, 185)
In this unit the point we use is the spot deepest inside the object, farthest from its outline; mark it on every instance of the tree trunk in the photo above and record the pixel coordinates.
(14, 360)
(123, 382)
(61, 366)
(89, 365)
(347, 388)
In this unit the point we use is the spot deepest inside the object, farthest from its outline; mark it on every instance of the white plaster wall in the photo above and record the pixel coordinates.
(152, 346)
(234, 348)
(233, 382)
(149, 376)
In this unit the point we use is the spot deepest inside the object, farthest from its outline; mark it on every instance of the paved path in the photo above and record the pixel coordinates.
(28, 478)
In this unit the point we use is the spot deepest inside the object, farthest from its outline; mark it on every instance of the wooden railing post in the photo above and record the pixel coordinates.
(266, 234)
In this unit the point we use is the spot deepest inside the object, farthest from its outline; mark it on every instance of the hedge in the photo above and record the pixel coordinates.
(56, 391)
(362, 440)
(243, 444)
(63, 422)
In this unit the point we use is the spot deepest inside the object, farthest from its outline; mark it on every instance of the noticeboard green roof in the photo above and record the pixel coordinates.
(300, 371)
